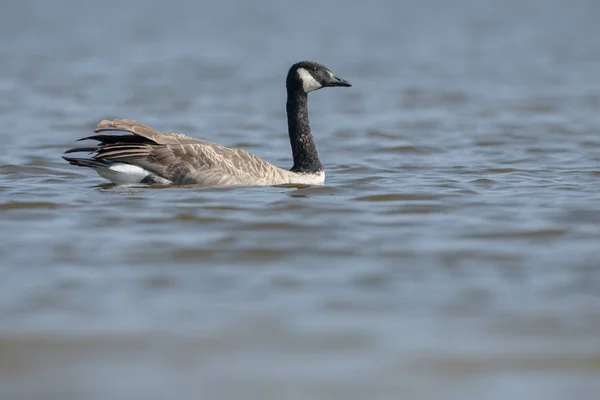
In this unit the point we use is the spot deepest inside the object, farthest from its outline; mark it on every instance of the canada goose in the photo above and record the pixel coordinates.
(144, 155)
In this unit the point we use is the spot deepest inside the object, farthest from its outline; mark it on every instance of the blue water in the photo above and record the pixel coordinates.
(453, 252)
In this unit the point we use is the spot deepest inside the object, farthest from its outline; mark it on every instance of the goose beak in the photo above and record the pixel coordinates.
(335, 81)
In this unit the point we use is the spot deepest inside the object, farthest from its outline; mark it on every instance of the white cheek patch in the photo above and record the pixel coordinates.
(308, 82)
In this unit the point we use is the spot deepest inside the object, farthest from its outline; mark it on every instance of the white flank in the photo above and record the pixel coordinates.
(120, 174)
(308, 82)
(308, 179)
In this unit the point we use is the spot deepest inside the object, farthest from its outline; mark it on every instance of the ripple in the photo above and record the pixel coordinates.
(196, 219)
(373, 280)
(19, 205)
(193, 254)
(495, 363)
(272, 226)
(159, 282)
(26, 170)
(411, 149)
(314, 190)
(489, 143)
(502, 170)
(398, 197)
(419, 209)
(245, 255)
(523, 234)
(484, 182)
(381, 135)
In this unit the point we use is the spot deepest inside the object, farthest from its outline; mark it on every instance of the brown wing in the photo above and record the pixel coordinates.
(143, 131)
(182, 159)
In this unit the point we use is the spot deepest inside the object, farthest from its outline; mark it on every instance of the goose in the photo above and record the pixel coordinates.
(140, 154)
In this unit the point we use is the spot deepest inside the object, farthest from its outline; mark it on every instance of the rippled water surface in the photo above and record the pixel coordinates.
(454, 251)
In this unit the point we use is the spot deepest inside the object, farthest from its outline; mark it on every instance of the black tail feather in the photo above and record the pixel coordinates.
(86, 162)
(113, 139)
(121, 145)
(81, 149)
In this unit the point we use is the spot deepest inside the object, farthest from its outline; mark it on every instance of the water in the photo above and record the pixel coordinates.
(453, 252)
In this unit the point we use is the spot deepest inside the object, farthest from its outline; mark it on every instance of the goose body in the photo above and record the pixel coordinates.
(129, 152)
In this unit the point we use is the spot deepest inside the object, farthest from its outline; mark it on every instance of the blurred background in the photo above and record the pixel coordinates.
(453, 253)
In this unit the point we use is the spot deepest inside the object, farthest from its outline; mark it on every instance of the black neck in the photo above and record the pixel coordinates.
(306, 158)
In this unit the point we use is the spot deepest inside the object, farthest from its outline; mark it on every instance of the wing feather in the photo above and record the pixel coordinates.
(182, 159)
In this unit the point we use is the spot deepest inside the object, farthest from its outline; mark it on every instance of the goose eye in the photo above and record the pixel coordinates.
(314, 69)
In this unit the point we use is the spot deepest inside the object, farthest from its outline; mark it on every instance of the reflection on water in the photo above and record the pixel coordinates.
(455, 242)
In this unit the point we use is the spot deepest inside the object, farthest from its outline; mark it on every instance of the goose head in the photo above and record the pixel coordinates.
(308, 76)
